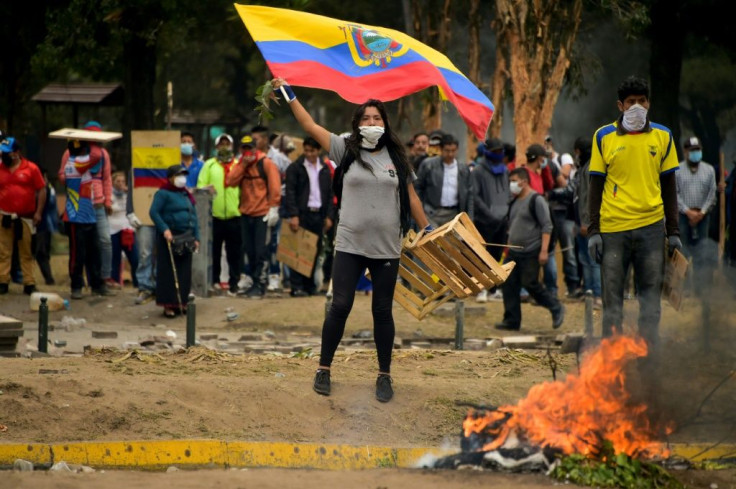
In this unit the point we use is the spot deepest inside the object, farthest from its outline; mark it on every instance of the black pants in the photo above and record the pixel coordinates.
(346, 272)
(42, 252)
(254, 246)
(525, 274)
(84, 252)
(493, 234)
(311, 221)
(227, 231)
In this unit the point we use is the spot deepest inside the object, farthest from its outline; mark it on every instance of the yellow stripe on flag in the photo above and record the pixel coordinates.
(155, 158)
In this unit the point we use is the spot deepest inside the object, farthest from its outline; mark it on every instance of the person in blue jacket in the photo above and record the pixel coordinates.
(177, 237)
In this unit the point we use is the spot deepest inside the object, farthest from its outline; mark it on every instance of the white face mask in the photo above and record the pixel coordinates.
(180, 181)
(514, 188)
(371, 135)
(545, 162)
(635, 117)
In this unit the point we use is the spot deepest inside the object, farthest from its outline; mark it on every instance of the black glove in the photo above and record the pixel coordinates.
(674, 243)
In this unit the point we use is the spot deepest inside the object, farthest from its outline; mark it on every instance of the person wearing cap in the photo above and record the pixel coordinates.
(190, 158)
(260, 196)
(696, 196)
(22, 201)
(491, 201)
(435, 138)
(225, 213)
(177, 237)
(101, 187)
(308, 204)
(80, 217)
(633, 208)
(445, 186)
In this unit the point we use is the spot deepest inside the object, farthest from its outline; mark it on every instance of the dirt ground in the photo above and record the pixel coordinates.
(107, 394)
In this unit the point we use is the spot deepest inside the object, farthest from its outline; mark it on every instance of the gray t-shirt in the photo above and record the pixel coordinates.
(369, 222)
(526, 231)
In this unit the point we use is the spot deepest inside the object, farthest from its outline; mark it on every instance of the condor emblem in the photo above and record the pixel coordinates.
(369, 47)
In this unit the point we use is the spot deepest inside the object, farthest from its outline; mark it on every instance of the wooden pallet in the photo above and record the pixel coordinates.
(10, 330)
(449, 262)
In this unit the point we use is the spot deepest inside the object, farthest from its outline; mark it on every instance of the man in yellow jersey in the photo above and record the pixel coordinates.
(633, 203)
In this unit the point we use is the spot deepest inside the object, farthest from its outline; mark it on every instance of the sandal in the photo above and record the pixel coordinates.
(169, 313)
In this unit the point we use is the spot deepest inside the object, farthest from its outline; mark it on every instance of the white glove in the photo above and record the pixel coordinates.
(272, 218)
(134, 221)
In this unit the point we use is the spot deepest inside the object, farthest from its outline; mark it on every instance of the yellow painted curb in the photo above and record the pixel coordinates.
(152, 455)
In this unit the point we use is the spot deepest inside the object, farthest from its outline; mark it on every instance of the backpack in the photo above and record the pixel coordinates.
(533, 212)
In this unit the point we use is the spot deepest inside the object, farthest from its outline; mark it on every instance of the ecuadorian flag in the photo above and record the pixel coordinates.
(359, 62)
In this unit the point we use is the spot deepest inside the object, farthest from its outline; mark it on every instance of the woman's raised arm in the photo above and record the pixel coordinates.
(305, 120)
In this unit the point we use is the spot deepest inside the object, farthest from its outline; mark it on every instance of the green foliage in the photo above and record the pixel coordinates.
(611, 470)
(264, 96)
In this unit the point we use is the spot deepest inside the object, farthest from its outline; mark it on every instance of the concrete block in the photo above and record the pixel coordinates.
(104, 334)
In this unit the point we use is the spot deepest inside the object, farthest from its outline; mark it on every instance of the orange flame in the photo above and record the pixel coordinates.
(577, 414)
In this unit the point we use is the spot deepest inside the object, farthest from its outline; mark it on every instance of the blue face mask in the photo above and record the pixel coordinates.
(695, 156)
(187, 149)
(493, 157)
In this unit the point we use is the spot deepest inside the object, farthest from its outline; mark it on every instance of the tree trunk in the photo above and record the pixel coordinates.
(473, 66)
(537, 40)
(139, 81)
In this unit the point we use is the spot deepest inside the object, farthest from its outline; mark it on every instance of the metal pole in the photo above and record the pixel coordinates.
(588, 313)
(459, 324)
(191, 321)
(43, 326)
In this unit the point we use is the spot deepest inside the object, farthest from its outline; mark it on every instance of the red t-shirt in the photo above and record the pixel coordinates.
(18, 188)
(535, 179)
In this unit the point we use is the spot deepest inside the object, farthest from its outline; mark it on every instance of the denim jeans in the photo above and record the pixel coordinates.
(591, 269)
(566, 237)
(103, 236)
(704, 251)
(145, 238)
(644, 248)
(274, 267)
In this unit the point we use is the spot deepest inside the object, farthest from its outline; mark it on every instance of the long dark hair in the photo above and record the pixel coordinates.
(395, 149)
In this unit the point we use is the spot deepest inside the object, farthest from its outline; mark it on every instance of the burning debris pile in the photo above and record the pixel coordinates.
(580, 415)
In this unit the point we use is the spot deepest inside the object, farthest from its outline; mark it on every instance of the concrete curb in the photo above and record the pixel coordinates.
(154, 455)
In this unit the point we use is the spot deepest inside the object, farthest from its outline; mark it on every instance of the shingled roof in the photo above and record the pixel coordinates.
(81, 93)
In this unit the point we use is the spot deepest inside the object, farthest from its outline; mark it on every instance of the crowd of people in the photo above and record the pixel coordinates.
(601, 214)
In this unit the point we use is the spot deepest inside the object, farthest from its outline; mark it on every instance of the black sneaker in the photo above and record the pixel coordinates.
(3, 289)
(322, 382)
(558, 317)
(299, 293)
(29, 289)
(255, 292)
(503, 325)
(103, 291)
(384, 391)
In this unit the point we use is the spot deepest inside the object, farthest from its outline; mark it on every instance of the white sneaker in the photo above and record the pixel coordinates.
(496, 296)
(245, 282)
(482, 297)
(274, 283)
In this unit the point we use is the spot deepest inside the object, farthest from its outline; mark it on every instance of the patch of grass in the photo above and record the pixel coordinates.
(610, 470)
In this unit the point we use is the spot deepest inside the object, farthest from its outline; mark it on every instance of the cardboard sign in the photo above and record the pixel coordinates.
(85, 135)
(153, 152)
(297, 250)
(674, 279)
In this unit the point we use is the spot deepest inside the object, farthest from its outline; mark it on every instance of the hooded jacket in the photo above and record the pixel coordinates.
(492, 196)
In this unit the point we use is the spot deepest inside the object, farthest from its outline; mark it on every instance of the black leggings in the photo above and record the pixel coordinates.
(346, 271)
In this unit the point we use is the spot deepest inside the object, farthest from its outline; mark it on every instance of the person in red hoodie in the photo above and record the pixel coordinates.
(260, 197)
(22, 200)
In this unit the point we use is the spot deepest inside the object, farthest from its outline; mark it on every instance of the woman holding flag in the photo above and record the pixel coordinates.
(376, 198)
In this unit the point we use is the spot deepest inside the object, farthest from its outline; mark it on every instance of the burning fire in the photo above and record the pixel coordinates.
(577, 415)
